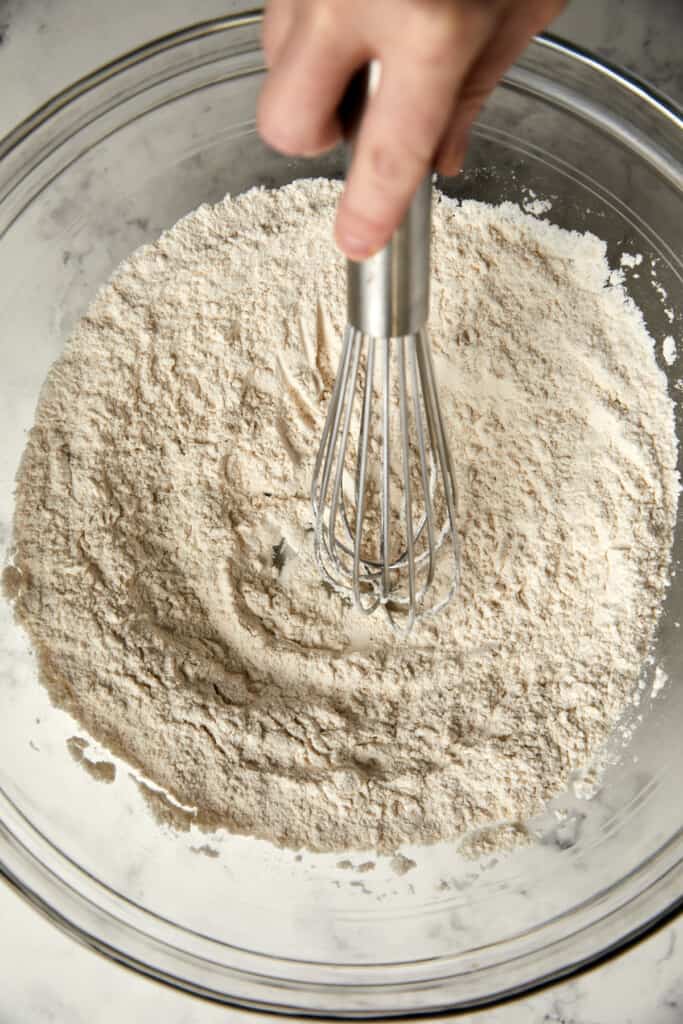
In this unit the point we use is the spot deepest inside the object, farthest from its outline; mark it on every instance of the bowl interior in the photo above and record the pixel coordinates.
(123, 161)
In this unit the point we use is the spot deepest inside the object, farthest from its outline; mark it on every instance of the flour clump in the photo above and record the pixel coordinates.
(163, 563)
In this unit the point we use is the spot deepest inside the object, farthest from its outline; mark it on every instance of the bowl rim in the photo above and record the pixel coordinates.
(639, 87)
(43, 877)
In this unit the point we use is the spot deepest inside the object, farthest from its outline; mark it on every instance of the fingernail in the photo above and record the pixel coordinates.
(354, 247)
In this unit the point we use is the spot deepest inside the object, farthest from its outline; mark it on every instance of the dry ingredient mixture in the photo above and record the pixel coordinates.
(163, 560)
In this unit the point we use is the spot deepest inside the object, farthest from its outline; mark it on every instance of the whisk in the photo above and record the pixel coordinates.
(383, 492)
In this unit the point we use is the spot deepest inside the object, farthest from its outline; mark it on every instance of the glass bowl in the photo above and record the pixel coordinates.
(93, 174)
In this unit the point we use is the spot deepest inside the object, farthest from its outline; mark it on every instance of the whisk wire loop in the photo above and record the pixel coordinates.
(356, 484)
(361, 477)
(385, 504)
(440, 446)
(415, 343)
(337, 491)
(407, 492)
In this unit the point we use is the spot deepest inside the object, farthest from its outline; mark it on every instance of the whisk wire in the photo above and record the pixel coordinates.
(385, 506)
(438, 443)
(397, 580)
(407, 490)
(324, 462)
(360, 493)
(337, 492)
(424, 473)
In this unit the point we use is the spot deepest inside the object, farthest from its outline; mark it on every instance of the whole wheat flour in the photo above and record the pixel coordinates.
(163, 559)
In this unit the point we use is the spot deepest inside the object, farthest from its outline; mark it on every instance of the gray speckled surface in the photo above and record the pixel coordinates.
(643, 37)
(44, 976)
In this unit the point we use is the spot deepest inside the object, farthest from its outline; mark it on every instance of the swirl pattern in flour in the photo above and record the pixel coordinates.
(163, 560)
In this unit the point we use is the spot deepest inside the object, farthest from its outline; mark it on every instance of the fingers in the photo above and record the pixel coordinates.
(398, 138)
(511, 37)
(440, 60)
(297, 110)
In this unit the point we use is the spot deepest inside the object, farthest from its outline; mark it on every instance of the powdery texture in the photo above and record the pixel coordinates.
(164, 568)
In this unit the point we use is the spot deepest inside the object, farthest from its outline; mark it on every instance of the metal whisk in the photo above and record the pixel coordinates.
(383, 493)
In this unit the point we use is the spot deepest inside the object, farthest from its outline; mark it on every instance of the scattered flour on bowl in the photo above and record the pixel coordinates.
(669, 350)
(631, 260)
(163, 562)
(532, 204)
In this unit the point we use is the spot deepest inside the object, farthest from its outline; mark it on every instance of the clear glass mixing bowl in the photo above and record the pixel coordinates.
(93, 174)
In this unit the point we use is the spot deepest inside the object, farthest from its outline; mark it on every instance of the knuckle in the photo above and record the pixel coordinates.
(392, 166)
(434, 47)
(384, 163)
(430, 29)
(323, 18)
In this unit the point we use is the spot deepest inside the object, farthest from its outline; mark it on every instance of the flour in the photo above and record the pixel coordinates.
(163, 563)
(103, 771)
(532, 204)
(631, 260)
(669, 350)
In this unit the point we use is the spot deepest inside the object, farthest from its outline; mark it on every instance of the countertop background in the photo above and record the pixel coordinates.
(45, 976)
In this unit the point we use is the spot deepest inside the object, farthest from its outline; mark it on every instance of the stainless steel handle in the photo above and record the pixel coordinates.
(388, 294)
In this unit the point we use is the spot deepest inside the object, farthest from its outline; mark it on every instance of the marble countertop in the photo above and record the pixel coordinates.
(45, 976)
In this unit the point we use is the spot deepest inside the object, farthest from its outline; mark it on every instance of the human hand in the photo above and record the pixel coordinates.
(440, 59)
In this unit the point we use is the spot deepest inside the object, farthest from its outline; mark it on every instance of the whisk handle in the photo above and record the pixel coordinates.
(388, 294)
